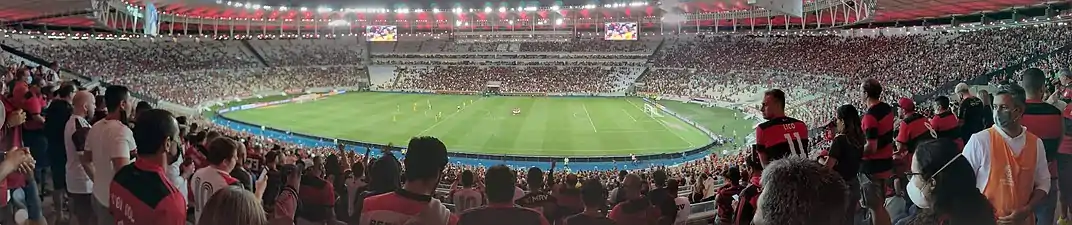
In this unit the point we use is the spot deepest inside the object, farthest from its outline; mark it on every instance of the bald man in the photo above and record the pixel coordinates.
(79, 166)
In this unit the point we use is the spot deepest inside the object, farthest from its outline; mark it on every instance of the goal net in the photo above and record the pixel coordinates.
(652, 111)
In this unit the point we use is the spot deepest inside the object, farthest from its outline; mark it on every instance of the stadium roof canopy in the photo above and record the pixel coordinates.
(76, 12)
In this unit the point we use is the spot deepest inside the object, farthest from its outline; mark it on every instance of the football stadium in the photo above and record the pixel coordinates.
(652, 112)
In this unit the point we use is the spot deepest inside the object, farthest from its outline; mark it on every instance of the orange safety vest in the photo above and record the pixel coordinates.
(1012, 178)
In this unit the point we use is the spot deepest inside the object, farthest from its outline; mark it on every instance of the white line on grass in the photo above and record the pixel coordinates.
(661, 122)
(630, 115)
(448, 117)
(590, 122)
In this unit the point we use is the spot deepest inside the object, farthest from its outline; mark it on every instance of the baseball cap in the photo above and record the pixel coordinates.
(906, 104)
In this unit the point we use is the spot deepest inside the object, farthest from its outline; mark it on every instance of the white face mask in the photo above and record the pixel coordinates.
(916, 195)
(914, 191)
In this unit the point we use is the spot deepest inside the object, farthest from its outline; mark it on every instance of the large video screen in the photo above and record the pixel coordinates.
(381, 33)
(620, 31)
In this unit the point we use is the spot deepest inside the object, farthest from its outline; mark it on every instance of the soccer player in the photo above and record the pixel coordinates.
(223, 157)
(877, 165)
(1045, 121)
(500, 189)
(780, 135)
(414, 106)
(467, 196)
(944, 123)
(141, 192)
(413, 203)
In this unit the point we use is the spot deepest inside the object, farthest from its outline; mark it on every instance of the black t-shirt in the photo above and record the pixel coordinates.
(975, 117)
(848, 157)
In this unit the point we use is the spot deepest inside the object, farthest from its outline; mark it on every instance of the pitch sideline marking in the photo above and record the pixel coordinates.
(471, 148)
(661, 122)
(630, 115)
(448, 117)
(590, 122)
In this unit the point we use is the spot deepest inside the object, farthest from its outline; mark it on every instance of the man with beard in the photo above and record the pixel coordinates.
(877, 166)
(1009, 160)
(141, 191)
(110, 142)
(780, 135)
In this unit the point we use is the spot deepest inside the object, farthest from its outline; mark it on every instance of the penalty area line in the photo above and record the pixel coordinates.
(630, 115)
(661, 122)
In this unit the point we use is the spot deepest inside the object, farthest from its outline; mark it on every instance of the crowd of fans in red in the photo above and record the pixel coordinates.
(534, 79)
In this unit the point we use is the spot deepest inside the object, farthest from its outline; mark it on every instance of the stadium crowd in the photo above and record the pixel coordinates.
(111, 160)
(536, 79)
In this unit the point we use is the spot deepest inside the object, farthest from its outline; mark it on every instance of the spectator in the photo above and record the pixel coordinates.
(233, 205)
(681, 203)
(56, 116)
(1045, 121)
(944, 123)
(636, 209)
(662, 198)
(771, 141)
(594, 197)
(569, 196)
(157, 200)
(995, 148)
(110, 141)
(748, 202)
(425, 160)
(798, 191)
(500, 190)
(877, 165)
(222, 157)
(286, 204)
(384, 177)
(974, 114)
(467, 196)
(725, 197)
(845, 153)
(537, 198)
(78, 166)
(317, 196)
(940, 184)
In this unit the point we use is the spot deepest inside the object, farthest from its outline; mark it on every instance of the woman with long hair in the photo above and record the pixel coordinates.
(942, 184)
(233, 205)
(845, 154)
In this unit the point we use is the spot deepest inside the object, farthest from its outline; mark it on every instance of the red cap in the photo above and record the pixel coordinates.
(906, 104)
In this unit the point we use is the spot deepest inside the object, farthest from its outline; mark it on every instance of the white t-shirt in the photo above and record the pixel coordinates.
(684, 208)
(78, 181)
(108, 139)
(467, 198)
(206, 181)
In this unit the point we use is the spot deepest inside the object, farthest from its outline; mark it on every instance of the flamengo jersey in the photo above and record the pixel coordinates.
(206, 181)
(141, 194)
(466, 198)
(780, 137)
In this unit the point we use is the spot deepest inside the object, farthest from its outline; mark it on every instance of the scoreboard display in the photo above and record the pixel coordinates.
(620, 31)
(381, 33)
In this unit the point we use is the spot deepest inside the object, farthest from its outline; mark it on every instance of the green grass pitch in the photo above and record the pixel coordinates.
(547, 126)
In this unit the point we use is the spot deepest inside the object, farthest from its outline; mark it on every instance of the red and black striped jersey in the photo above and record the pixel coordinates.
(946, 125)
(878, 126)
(780, 137)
